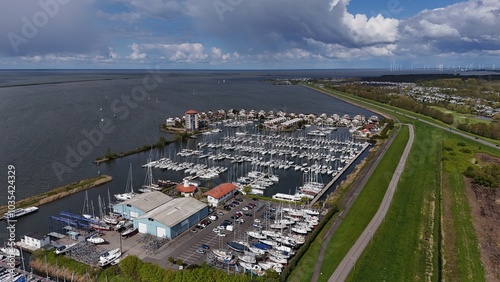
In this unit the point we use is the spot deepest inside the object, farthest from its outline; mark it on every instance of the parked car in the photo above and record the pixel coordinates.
(222, 234)
(219, 213)
(204, 246)
(200, 251)
(194, 230)
(239, 199)
(245, 208)
(216, 230)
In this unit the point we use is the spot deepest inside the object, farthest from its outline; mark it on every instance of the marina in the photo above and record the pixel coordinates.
(261, 156)
(254, 159)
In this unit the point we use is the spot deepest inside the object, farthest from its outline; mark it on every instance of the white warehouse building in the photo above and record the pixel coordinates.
(141, 204)
(172, 218)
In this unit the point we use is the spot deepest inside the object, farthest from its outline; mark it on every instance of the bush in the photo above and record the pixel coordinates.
(465, 150)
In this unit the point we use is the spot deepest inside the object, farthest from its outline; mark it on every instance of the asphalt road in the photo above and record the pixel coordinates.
(349, 261)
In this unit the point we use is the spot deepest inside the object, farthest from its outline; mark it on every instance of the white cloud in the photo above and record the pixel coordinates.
(185, 52)
(136, 53)
(112, 54)
(219, 55)
(432, 30)
(470, 26)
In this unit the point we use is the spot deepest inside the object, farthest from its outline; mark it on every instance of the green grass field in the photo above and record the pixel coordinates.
(359, 215)
(462, 118)
(405, 245)
(430, 193)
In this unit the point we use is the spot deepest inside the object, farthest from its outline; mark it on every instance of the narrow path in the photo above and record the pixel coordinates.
(349, 261)
(349, 197)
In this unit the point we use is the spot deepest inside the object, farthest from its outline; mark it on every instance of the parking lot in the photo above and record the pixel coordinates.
(193, 246)
(188, 246)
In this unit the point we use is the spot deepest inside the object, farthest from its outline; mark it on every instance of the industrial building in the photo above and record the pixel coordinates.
(141, 204)
(172, 218)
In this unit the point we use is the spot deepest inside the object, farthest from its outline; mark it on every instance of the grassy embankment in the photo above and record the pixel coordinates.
(457, 254)
(60, 192)
(405, 246)
(460, 252)
(358, 217)
(418, 211)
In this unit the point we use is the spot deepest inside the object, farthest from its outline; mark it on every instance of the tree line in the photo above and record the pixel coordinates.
(488, 130)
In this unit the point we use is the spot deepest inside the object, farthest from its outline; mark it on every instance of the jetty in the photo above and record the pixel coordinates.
(60, 192)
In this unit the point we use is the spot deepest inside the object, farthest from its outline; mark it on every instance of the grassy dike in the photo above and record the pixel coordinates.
(405, 247)
(354, 222)
(427, 234)
(60, 192)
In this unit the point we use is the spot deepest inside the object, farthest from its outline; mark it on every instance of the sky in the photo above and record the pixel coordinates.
(249, 34)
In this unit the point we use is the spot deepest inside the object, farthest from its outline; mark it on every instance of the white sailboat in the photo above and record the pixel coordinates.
(149, 184)
(129, 189)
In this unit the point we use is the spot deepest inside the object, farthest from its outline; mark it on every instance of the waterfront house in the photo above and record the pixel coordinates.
(34, 241)
(220, 193)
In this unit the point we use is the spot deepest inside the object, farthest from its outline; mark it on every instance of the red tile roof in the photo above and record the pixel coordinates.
(185, 189)
(191, 112)
(220, 190)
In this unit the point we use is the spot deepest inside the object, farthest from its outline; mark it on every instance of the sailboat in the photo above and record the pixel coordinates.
(110, 218)
(86, 211)
(129, 189)
(148, 182)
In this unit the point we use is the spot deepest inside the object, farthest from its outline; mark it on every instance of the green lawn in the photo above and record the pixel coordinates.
(460, 252)
(405, 245)
(462, 118)
(363, 209)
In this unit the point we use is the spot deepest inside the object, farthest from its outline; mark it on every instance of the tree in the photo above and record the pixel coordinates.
(247, 189)
(130, 266)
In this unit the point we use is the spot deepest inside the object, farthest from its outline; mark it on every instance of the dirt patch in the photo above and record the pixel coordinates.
(448, 234)
(486, 220)
(485, 158)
